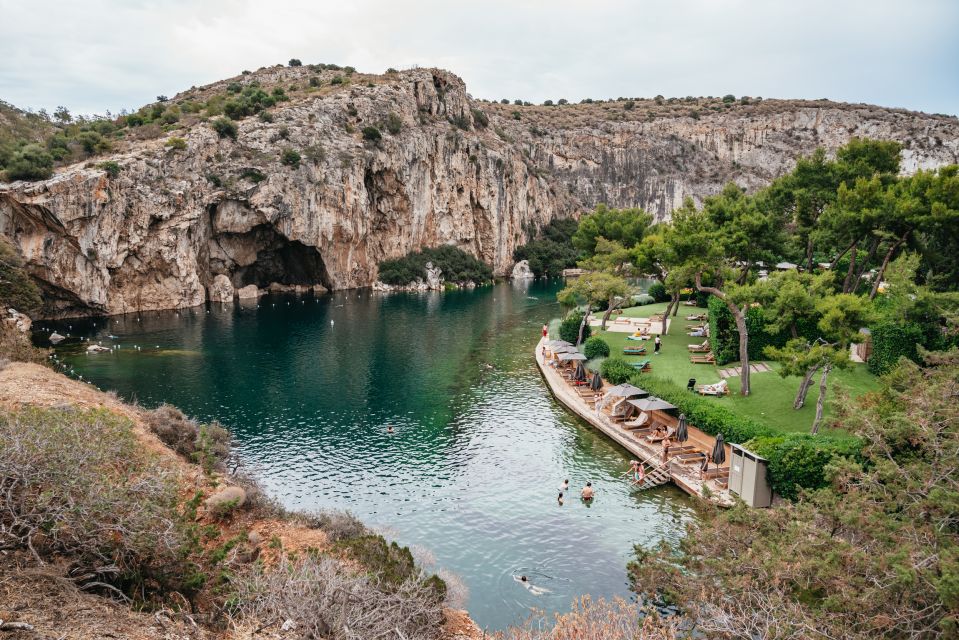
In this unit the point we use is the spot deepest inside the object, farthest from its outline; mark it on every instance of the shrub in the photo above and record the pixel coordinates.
(337, 80)
(724, 337)
(207, 445)
(480, 119)
(32, 162)
(729, 98)
(616, 370)
(295, 62)
(547, 103)
(643, 299)
(372, 134)
(111, 167)
(315, 81)
(456, 266)
(394, 124)
(891, 341)
(551, 250)
(338, 525)
(658, 292)
(79, 484)
(799, 461)
(290, 157)
(569, 329)
(629, 106)
(254, 175)
(225, 128)
(461, 121)
(177, 144)
(596, 347)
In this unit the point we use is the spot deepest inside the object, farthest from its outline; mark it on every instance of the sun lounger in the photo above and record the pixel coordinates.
(716, 472)
(642, 365)
(696, 316)
(634, 351)
(637, 337)
(622, 320)
(641, 421)
(690, 303)
(699, 348)
(721, 388)
(691, 457)
(706, 359)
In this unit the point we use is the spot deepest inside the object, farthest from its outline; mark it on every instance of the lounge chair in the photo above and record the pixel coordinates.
(637, 337)
(697, 317)
(641, 421)
(634, 351)
(699, 348)
(721, 388)
(656, 318)
(642, 365)
(622, 320)
(706, 359)
(690, 457)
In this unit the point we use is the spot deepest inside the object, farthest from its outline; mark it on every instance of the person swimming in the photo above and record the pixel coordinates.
(560, 499)
(529, 586)
(587, 492)
(389, 430)
(565, 486)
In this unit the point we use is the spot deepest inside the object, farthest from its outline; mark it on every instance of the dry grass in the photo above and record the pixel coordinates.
(595, 620)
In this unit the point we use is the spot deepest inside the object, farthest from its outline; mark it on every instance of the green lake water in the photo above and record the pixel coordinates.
(469, 479)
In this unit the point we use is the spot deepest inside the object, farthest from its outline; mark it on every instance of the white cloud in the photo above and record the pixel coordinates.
(110, 54)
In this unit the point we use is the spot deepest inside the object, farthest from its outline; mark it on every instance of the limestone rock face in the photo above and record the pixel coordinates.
(250, 291)
(20, 321)
(434, 277)
(521, 271)
(172, 223)
(222, 289)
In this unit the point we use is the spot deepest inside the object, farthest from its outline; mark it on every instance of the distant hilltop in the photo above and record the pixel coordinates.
(312, 174)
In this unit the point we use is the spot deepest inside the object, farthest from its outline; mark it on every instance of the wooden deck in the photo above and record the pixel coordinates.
(686, 477)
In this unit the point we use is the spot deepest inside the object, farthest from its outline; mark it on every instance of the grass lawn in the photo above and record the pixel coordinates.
(772, 396)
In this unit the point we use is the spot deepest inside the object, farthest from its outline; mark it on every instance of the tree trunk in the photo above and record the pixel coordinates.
(673, 303)
(800, 400)
(582, 325)
(743, 275)
(740, 317)
(864, 265)
(885, 263)
(835, 261)
(822, 398)
(809, 252)
(852, 268)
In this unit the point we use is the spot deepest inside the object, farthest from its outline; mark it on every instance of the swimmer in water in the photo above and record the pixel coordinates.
(389, 430)
(560, 499)
(536, 591)
(565, 486)
(587, 492)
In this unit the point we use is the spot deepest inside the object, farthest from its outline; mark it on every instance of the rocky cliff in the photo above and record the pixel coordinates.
(454, 170)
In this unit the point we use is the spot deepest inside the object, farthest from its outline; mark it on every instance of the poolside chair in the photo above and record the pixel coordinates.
(637, 337)
(697, 316)
(642, 365)
(709, 358)
(634, 351)
(721, 388)
(690, 457)
(641, 421)
(699, 348)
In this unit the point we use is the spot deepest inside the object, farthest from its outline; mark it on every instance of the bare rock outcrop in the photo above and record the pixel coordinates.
(222, 289)
(174, 225)
(521, 271)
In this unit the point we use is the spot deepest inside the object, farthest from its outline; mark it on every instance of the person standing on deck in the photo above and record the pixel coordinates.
(657, 342)
(545, 330)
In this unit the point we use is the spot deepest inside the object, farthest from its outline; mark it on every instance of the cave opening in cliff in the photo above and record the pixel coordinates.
(277, 259)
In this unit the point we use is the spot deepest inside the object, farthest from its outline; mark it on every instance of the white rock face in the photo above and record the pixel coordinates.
(95, 348)
(222, 289)
(56, 338)
(159, 233)
(434, 277)
(250, 291)
(521, 271)
(20, 321)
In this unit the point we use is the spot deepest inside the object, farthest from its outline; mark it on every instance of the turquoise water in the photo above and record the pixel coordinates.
(307, 385)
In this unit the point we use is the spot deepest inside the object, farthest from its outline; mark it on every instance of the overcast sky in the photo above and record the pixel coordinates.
(98, 55)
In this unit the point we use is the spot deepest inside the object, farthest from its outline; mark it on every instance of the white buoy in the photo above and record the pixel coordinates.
(331, 323)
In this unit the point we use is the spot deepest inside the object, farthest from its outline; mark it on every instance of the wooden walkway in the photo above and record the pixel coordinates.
(658, 472)
(732, 372)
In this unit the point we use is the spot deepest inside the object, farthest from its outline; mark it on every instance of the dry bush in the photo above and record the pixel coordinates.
(15, 346)
(77, 483)
(325, 600)
(204, 444)
(338, 525)
(595, 620)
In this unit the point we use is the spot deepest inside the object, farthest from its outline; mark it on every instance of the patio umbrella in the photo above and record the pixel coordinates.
(626, 391)
(596, 383)
(566, 357)
(682, 433)
(580, 374)
(651, 404)
(558, 343)
(719, 451)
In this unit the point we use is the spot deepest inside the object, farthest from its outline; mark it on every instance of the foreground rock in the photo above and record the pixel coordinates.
(222, 289)
(161, 233)
(521, 271)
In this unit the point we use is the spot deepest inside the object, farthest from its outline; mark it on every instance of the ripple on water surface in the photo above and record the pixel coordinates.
(470, 474)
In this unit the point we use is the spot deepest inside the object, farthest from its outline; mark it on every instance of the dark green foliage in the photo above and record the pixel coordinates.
(724, 337)
(295, 62)
(569, 329)
(456, 265)
(337, 80)
(626, 226)
(616, 370)
(234, 87)
(891, 341)
(629, 106)
(177, 144)
(17, 289)
(389, 562)
(393, 124)
(112, 168)
(658, 292)
(799, 461)
(595, 347)
(516, 115)
(315, 81)
(461, 121)
(551, 251)
(480, 119)
(729, 98)
(290, 157)
(372, 134)
(250, 101)
(31, 162)
(225, 128)
(547, 103)
(254, 175)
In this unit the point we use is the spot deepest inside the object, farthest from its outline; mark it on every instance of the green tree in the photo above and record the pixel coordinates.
(626, 226)
(32, 162)
(595, 288)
